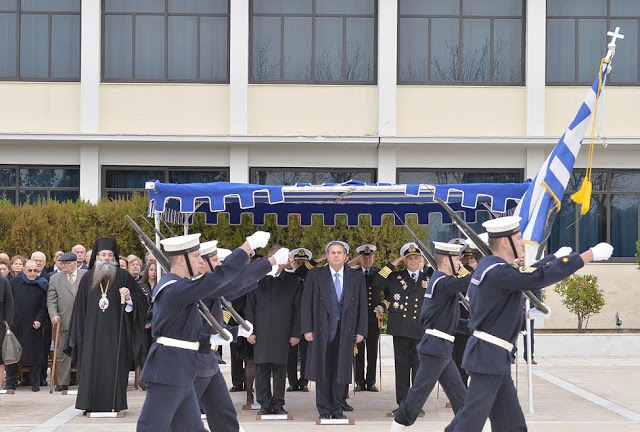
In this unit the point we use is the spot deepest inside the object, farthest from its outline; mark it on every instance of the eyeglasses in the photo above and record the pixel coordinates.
(31, 271)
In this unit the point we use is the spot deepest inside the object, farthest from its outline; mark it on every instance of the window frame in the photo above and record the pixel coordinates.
(519, 171)
(313, 171)
(166, 170)
(313, 16)
(461, 16)
(17, 189)
(166, 14)
(608, 18)
(18, 14)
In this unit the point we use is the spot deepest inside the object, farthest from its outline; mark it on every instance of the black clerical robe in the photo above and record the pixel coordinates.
(93, 340)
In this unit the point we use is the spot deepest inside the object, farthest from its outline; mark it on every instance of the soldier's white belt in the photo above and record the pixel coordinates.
(493, 340)
(177, 343)
(440, 334)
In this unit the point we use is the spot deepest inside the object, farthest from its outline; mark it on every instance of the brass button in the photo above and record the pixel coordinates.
(404, 316)
(414, 317)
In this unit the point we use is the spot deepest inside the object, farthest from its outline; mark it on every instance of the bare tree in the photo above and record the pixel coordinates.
(265, 65)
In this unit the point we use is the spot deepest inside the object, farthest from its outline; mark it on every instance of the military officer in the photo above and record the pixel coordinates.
(497, 311)
(439, 318)
(403, 292)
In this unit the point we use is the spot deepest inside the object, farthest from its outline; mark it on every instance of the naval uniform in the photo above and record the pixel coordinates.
(373, 332)
(171, 365)
(403, 301)
(439, 318)
(463, 332)
(497, 311)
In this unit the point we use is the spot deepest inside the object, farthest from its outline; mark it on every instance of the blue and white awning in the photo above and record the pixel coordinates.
(178, 202)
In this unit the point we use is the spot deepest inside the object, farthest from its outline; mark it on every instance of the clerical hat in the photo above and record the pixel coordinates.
(502, 227)
(208, 248)
(409, 249)
(181, 244)
(366, 249)
(101, 244)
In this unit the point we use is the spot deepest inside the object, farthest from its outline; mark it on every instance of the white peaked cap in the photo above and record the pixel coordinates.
(410, 248)
(502, 227)
(485, 237)
(366, 249)
(447, 248)
(223, 253)
(301, 253)
(208, 248)
(181, 244)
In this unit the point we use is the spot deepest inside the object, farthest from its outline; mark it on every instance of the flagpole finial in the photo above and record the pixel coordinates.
(612, 45)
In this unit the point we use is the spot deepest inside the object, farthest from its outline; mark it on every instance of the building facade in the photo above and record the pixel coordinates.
(100, 96)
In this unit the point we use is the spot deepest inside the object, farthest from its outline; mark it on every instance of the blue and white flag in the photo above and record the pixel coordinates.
(544, 196)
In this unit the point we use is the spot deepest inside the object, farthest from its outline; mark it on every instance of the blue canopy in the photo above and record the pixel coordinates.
(178, 202)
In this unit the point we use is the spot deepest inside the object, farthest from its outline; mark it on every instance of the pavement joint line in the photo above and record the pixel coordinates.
(604, 403)
(58, 420)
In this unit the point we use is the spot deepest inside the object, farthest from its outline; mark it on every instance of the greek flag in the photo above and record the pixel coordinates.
(542, 200)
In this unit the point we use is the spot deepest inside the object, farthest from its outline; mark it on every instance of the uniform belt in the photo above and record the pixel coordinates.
(177, 343)
(440, 334)
(493, 340)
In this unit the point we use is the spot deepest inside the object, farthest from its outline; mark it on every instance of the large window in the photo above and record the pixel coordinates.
(461, 42)
(40, 40)
(613, 216)
(166, 41)
(126, 181)
(577, 40)
(438, 231)
(313, 41)
(30, 184)
(291, 176)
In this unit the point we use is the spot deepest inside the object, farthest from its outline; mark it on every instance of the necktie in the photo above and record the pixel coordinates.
(414, 276)
(71, 278)
(366, 273)
(337, 286)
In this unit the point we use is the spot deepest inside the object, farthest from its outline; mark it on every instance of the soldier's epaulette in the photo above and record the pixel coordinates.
(385, 272)
(226, 316)
(463, 272)
(524, 269)
(308, 265)
(196, 277)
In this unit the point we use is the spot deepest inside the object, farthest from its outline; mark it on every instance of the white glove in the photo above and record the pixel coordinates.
(216, 339)
(563, 251)
(245, 333)
(535, 313)
(258, 239)
(281, 256)
(274, 270)
(602, 251)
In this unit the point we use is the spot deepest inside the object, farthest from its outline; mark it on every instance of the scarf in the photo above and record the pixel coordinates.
(42, 283)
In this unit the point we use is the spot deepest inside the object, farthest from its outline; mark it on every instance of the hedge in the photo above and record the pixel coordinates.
(49, 226)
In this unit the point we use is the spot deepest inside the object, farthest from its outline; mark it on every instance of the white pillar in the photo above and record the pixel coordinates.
(90, 51)
(90, 173)
(387, 163)
(387, 67)
(536, 66)
(239, 67)
(239, 164)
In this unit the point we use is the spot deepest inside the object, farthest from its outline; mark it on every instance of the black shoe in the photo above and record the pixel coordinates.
(10, 387)
(360, 388)
(265, 411)
(372, 388)
(304, 389)
(35, 387)
(340, 416)
(279, 411)
(236, 389)
(43, 382)
(61, 388)
(293, 388)
(222, 361)
(346, 407)
(324, 416)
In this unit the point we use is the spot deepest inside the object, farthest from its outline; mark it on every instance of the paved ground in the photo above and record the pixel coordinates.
(571, 394)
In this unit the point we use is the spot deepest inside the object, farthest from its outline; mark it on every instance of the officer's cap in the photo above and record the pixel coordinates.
(366, 249)
(301, 254)
(410, 249)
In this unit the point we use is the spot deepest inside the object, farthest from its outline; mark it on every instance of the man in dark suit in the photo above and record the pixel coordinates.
(55, 268)
(333, 318)
(366, 257)
(80, 252)
(404, 292)
(63, 287)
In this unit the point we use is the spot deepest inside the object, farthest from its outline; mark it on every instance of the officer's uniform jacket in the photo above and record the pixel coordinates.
(497, 305)
(441, 311)
(176, 316)
(374, 295)
(402, 299)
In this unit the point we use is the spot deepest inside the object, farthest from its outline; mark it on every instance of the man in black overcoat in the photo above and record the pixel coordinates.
(333, 318)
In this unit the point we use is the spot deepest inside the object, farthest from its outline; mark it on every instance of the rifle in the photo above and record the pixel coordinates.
(432, 260)
(484, 248)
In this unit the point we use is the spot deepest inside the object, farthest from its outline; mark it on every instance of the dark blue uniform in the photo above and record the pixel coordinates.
(497, 308)
(440, 311)
(169, 372)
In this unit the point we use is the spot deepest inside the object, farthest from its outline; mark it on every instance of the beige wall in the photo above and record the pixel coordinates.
(188, 109)
(39, 107)
(460, 156)
(461, 111)
(313, 110)
(306, 154)
(621, 285)
(620, 110)
(163, 154)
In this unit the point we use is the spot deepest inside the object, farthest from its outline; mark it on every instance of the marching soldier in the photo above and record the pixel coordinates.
(366, 257)
(497, 306)
(404, 292)
(439, 318)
